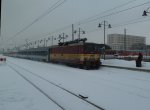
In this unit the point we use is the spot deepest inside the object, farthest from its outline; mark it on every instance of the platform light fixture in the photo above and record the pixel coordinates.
(104, 23)
(145, 12)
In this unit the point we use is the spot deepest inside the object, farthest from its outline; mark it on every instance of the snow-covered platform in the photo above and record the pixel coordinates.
(123, 64)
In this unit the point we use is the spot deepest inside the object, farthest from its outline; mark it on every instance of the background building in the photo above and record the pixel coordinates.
(126, 42)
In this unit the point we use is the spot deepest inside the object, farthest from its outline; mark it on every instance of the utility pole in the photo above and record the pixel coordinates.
(72, 32)
(44, 41)
(125, 39)
(104, 37)
(109, 26)
(0, 15)
(52, 40)
(79, 33)
(63, 37)
(27, 43)
(80, 30)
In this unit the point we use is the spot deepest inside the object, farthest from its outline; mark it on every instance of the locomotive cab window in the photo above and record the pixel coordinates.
(91, 48)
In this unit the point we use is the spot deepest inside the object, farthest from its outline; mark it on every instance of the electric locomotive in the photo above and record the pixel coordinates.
(77, 53)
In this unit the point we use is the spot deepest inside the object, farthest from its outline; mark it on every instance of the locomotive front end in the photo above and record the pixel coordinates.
(91, 56)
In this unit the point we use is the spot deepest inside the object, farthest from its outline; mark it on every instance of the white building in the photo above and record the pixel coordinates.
(122, 42)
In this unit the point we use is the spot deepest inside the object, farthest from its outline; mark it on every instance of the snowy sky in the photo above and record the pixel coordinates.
(19, 19)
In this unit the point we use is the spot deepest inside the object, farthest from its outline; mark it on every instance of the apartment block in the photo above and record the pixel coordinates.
(125, 42)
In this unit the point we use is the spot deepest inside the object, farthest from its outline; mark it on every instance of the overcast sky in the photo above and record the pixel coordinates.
(32, 20)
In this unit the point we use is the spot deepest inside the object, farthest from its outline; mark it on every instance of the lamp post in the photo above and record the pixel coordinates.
(125, 39)
(80, 31)
(105, 23)
(145, 12)
(52, 38)
(62, 36)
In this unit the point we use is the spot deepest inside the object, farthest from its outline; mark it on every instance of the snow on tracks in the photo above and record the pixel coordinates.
(62, 97)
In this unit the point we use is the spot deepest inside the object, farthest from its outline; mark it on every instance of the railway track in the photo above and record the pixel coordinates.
(45, 94)
(116, 83)
(79, 96)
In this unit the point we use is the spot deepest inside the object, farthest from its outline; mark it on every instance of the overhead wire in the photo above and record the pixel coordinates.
(50, 34)
(114, 13)
(130, 22)
(133, 22)
(53, 7)
(120, 6)
(88, 20)
(84, 21)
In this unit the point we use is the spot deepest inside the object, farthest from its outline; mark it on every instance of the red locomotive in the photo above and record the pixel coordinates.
(81, 54)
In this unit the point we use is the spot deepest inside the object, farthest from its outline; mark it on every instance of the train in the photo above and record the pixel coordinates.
(77, 53)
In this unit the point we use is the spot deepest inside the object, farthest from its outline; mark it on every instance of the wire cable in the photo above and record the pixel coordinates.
(120, 6)
(53, 7)
(85, 22)
(114, 13)
(88, 20)
(133, 21)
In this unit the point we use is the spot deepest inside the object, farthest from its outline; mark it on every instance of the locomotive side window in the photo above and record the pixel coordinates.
(91, 48)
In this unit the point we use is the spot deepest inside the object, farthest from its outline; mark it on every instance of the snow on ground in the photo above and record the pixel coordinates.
(110, 88)
(17, 94)
(124, 63)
